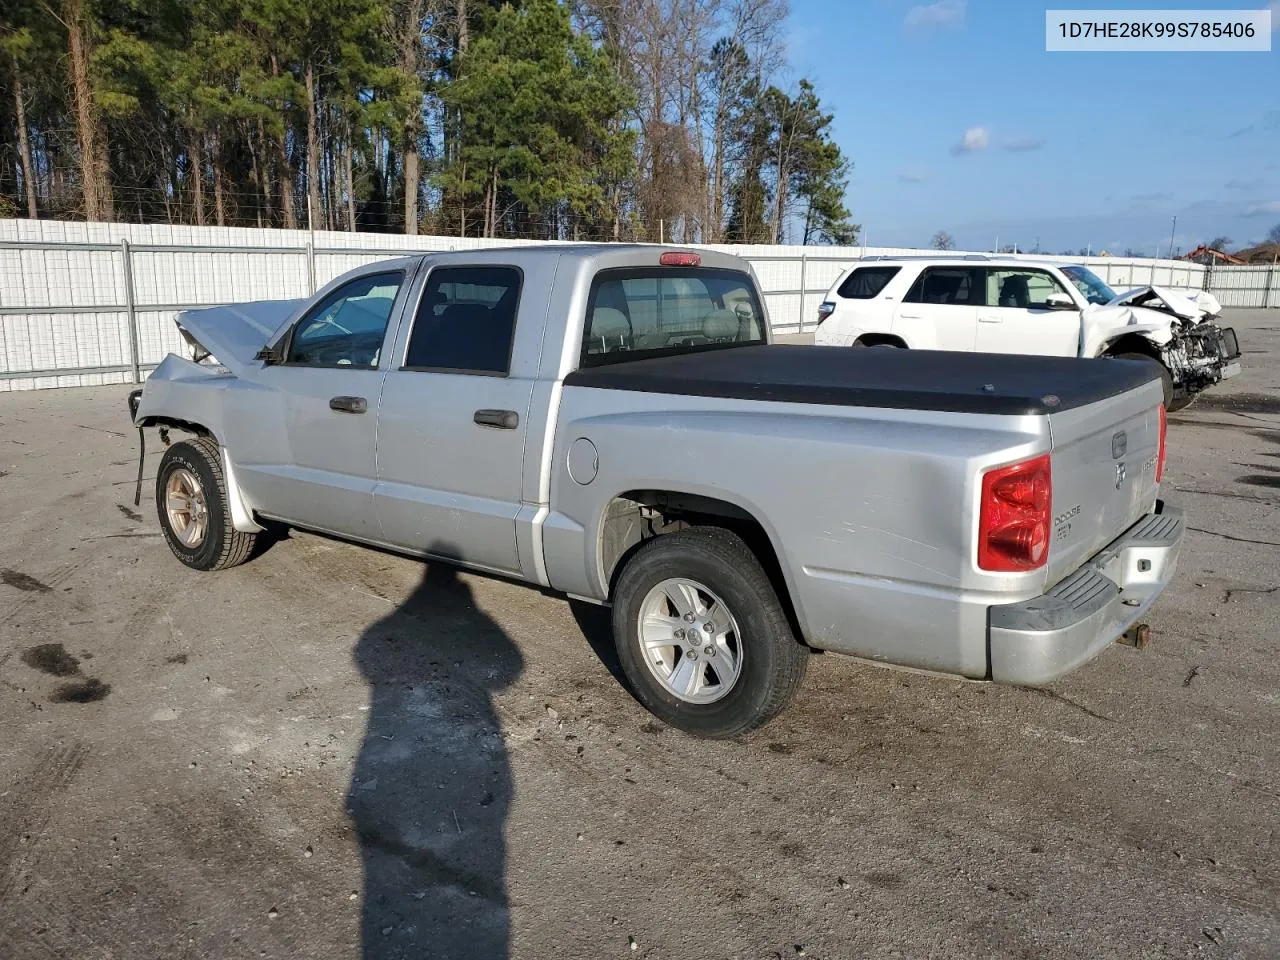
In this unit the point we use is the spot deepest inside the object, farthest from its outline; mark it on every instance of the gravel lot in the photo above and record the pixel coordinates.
(332, 752)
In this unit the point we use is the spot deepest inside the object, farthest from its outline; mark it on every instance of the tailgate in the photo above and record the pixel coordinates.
(1104, 477)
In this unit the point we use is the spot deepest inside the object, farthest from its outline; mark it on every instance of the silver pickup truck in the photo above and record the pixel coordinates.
(614, 423)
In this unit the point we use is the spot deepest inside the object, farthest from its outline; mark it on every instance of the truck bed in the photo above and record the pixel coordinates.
(902, 379)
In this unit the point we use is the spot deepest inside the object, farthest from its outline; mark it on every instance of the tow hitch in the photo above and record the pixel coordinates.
(1139, 635)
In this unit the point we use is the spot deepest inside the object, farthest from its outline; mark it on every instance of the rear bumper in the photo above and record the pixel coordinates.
(1041, 639)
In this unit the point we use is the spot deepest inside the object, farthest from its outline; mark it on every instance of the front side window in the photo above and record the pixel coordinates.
(1021, 289)
(655, 311)
(347, 327)
(466, 321)
(865, 283)
(953, 286)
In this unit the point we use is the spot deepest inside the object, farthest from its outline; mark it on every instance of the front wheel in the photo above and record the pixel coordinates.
(702, 636)
(191, 499)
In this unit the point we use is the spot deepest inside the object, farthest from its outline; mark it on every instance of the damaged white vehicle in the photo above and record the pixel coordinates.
(1011, 305)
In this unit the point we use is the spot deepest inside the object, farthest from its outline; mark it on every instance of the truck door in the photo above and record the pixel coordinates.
(1016, 317)
(455, 414)
(939, 311)
(306, 450)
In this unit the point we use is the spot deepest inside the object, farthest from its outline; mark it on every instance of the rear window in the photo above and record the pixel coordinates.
(658, 311)
(866, 282)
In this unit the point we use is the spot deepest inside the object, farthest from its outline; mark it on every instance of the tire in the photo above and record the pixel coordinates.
(770, 663)
(201, 535)
(1166, 378)
(859, 345)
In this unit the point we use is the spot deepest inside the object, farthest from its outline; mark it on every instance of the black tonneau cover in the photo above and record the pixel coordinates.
(903, 379)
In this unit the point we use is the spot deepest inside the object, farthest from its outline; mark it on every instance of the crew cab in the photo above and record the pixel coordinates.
(1015, 305)
(614, 423)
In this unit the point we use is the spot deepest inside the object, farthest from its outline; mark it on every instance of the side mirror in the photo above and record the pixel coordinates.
(268, 355)
(1059, 301)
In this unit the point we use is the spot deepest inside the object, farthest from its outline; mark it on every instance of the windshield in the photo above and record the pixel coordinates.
(635, 314)
(1090, 284)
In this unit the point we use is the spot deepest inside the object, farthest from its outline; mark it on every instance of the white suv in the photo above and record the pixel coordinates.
(1011, 305)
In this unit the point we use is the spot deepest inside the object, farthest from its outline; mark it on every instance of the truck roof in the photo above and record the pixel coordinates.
(608, 254)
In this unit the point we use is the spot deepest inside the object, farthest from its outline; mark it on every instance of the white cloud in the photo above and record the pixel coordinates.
(1270, 208)
(940, 13)
(974, 139)
(913, 175)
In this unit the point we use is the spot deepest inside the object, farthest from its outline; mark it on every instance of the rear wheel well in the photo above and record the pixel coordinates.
(880, 340)
(635, 517)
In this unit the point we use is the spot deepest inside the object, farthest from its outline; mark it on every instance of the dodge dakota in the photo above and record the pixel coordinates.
(614, 423)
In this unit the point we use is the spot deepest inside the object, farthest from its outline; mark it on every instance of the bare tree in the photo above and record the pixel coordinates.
(942, 241)
(24, 143)
(90, 137)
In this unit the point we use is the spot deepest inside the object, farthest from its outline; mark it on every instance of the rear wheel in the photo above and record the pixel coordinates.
(1166, 378)
(702, 636)
(191, 500)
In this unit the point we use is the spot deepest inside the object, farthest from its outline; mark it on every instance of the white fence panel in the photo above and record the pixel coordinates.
(72, 295)
(1247, 286)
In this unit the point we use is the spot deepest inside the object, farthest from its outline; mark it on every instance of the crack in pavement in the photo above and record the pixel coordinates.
(1228, 594)
(1054, 695)
(1227, 536)
(1264, 501)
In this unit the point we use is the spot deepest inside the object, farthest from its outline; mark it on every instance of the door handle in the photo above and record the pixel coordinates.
(908, 316)
(349, 404)
(502, 419)
(990, 318)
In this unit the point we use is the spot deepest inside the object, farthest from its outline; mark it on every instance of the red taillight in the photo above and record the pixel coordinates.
(1164, 427)
(1014, 521)
(680, 260)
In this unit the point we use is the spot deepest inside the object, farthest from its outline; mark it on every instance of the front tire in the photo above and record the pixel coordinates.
(191, 500)
(702, 636)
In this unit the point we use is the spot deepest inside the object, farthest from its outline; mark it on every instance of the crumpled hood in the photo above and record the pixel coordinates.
(235, 333)
(1194, 305)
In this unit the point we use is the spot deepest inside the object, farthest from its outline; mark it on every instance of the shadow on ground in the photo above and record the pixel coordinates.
(432, 784)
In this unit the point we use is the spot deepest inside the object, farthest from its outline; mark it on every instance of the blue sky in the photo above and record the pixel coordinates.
(957, 119)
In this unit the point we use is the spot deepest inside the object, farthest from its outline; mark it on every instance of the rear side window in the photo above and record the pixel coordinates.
(956, 286)
(655, 311)
(466, 321)
(866, 283)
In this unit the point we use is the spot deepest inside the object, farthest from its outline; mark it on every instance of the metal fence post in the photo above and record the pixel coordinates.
(311, 267)
(135, 359)
(804, 262)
